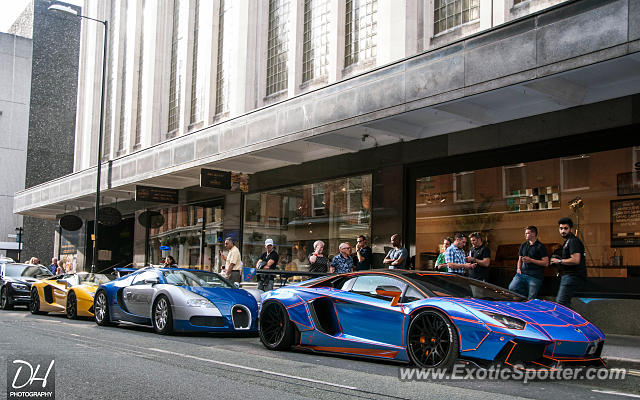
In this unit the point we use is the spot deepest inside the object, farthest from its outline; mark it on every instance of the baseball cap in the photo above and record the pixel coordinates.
(268, 242)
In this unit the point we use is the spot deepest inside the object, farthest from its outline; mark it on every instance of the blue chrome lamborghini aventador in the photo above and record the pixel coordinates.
(176, 299)
(429, 318)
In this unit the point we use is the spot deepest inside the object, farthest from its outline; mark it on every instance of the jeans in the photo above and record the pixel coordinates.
(569, 285)
(525, 285)
(265, 284)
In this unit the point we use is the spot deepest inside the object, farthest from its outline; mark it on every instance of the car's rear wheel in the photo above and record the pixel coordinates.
(101, 309)
(162, 316)
(432, 340)
(276, 329)
(5, 301)
(72, 306)
(34, 303)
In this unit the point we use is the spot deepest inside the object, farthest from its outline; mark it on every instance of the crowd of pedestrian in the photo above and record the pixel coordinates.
(533, 258)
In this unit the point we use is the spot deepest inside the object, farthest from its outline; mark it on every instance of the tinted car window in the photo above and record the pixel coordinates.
(140, 278)
(367, 285)
(25, 270)
(441, 285)
(194, 278)
(412, 294)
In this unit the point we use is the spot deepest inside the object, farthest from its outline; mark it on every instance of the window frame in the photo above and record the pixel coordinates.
(455, 187)
(562, 172)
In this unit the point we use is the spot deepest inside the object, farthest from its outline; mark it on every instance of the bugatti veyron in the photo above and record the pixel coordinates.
(176, 299)
(432, 319)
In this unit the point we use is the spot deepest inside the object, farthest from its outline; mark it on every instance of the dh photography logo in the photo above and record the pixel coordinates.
(31, 377)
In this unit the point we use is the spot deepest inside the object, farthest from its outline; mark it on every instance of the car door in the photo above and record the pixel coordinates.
(137, 296)
(367, 311)
(61, 288)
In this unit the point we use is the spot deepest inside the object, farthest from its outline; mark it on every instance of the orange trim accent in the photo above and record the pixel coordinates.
(354, 350)
(390, 293)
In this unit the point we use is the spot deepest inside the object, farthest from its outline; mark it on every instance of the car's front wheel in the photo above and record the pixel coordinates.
(5, 302)
(34, 303)
(162, 316)
(72, 306)
(432, 340)
(101, 309)
(276, 330)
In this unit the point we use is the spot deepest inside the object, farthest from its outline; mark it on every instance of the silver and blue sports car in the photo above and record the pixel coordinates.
(176, 299)
(431, 319)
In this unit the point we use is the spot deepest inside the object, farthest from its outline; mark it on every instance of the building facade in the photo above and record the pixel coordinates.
(15, 78)
(338, 118)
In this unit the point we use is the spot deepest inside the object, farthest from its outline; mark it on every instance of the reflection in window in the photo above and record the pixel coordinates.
(361, 29)
(318, 203)
(315, 46)
(174, 101)
(448, 14)
(224, 57)
(464, 186)
(277, 46)
(575, 173)
(332, 211)
(514, 180)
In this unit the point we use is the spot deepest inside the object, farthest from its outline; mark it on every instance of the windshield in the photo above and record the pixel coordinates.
(25, 271)
(94, 279)
(442, 285)
(194, 278)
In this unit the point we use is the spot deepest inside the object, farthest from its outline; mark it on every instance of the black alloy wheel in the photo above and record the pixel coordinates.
(72, 306)
(5, 302)
(276, 330)
(101, 309)
(432, 340)
(34, 303)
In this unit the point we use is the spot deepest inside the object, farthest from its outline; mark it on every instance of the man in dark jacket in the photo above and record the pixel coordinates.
(572, 267)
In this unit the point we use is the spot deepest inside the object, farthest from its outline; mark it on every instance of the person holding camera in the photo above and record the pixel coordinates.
(571, 264)
(364, 254)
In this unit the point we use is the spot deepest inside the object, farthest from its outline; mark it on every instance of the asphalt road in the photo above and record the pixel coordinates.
(133, 362)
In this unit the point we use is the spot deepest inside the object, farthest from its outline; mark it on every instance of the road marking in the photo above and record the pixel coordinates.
(264, 371)
(616, 393)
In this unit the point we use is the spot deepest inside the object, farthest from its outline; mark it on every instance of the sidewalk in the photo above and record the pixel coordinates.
(622, 351)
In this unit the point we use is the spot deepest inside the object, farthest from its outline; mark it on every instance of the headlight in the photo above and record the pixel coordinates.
(20, 286)
(200, 303)
(509, 322)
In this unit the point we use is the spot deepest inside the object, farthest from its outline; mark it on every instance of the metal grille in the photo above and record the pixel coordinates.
(138, 136)
(195, 101)
(448, 14)
(241, 317)
(277, 46)
(123, 90)
(108, 127)
(315, 47)
(222, 73)
(361, 28)
(173, 74)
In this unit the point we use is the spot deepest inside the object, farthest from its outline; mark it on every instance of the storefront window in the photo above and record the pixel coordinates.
(596, 190)
(181, 236)
(332, 211)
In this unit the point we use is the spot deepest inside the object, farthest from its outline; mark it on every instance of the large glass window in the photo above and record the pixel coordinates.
(224, 56)
(333, 211)
(181, 236)
(448, 14)
(277, 46)
(603, 203)
(315, 46)
(174, 101)
(196, 78)
(361, 29)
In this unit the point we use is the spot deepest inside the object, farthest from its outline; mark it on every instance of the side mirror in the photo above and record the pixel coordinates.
(151, 281)
(390, 291)
(63, 282)
(236, 284)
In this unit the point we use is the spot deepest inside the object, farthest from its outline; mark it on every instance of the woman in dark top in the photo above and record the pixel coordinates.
(319, 263)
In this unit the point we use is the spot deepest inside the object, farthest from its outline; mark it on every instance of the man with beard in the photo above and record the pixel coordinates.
(572, 267)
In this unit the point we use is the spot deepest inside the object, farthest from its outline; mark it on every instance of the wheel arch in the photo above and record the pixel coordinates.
(431, 307)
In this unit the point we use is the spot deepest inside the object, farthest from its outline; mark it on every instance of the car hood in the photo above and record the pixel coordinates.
(224, 298)
(553, 320)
